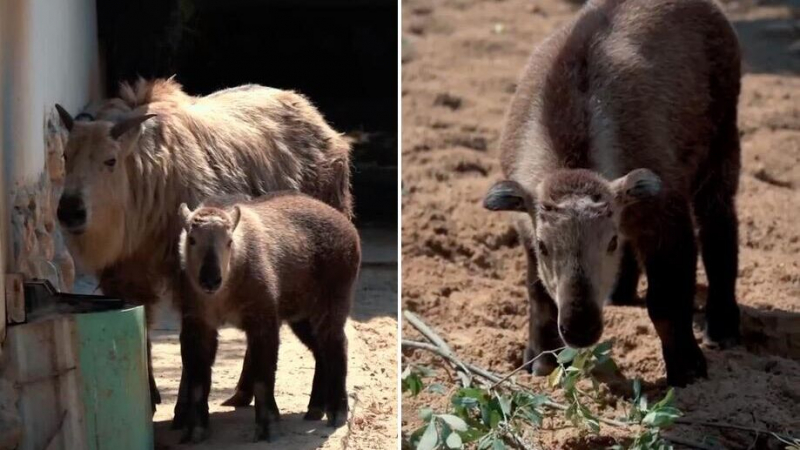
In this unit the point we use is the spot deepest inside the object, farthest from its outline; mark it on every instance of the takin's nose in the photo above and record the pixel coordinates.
(72, 213)
(210, 278)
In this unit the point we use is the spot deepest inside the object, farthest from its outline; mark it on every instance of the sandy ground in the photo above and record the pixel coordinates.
(463, 270)
(372, 372)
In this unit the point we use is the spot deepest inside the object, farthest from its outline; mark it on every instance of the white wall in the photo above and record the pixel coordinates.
(48, 54)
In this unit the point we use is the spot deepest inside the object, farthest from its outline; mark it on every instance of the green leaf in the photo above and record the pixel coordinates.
(430, 438)
(437, 388)
(667, 400)
(425, 414)
(601, 349)
(661, 417)
(454, 422)
(494, 418)
(554, 379)
(454, 441)
(637, 389)
(498, 444)
(567, 355)
(505, 405)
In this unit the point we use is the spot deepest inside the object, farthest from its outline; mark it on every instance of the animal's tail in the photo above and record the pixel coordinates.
(340, 196)
(144, 91)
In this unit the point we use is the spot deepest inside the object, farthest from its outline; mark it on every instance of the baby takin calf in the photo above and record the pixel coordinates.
(623, 128)
(256, 263)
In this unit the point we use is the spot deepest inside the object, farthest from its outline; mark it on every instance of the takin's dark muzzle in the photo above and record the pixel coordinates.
(210, 274)
(71, 213)
(580, 319)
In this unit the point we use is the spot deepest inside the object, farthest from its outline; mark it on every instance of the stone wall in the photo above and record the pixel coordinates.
(38, 249)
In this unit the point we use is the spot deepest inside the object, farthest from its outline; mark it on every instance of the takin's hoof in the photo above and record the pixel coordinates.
(314, 413)
(686, 368)
(543, 366)
(262, 432)
(722, 335)
(239, 399)
(195, 435)
(336, 417)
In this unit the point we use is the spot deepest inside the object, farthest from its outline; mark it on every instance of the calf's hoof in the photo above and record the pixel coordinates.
(194, 435)
(337, 417)
(543, 366)
(314, 413)
(239, 399)
(685, 366)
(262, 432)
(722, 329)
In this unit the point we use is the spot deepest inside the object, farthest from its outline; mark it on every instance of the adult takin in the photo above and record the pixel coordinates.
(141, 155)
(256, 263)
(623, 126)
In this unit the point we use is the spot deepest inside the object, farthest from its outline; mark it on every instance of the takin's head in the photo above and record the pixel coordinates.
(206, 246)
(576, 216)
(96, 182)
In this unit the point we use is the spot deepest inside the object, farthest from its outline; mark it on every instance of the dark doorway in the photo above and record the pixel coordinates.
(341, 54)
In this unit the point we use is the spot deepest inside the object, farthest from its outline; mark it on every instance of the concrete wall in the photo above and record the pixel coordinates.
(48, 55)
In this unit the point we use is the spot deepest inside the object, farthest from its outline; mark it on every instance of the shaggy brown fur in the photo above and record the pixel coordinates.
(630, 84)
(122, 190)
(281, 257)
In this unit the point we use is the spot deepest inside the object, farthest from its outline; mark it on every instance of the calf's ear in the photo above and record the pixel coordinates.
(506, 195)
(128, 124)
(184, 212)
(637, 185)
(236, 214)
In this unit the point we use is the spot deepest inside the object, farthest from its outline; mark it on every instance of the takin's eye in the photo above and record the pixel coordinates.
(542, 248)
(192, 241)
(612, 245)
(230, 242)
(110, 162)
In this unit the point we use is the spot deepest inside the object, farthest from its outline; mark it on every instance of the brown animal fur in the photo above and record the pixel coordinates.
(289, 258)
(249, 139)
(632, 84)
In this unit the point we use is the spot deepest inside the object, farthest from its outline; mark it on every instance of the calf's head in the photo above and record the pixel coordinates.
(206, 246)
(576, 239)
(96, 182)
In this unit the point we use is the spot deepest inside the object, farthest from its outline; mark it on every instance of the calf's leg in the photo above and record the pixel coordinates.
(263, 341)
(715, 211)
(198, 350)
(316, 405)
(244, 388)
(333, 347)
(624, 292)
(671, 264)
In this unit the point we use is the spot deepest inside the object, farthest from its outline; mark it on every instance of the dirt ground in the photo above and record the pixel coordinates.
(463, 270)
(371, 382)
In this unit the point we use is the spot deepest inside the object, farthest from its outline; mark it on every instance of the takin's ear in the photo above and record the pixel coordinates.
(128, 124)
(184, 212)
(235, 214)
(637, 185)
(506, 195)
(66, 119)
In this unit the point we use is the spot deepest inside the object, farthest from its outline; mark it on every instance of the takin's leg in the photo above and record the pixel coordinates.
(263, 342)
(715, 211)
(244, 388)
(198, 350)
(624, 292)
(670, 257)
(333, 348)
(316, 405)
(542, 321)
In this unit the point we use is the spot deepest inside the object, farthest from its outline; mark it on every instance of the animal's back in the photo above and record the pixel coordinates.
(627, 84)
(312, 249)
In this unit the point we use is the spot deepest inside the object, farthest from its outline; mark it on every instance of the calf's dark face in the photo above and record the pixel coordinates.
(206, 249)
(577, 243)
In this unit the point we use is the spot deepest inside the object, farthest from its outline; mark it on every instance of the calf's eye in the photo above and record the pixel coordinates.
(191, 240)
(612, 246)
(110, 162)
(230, 241)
